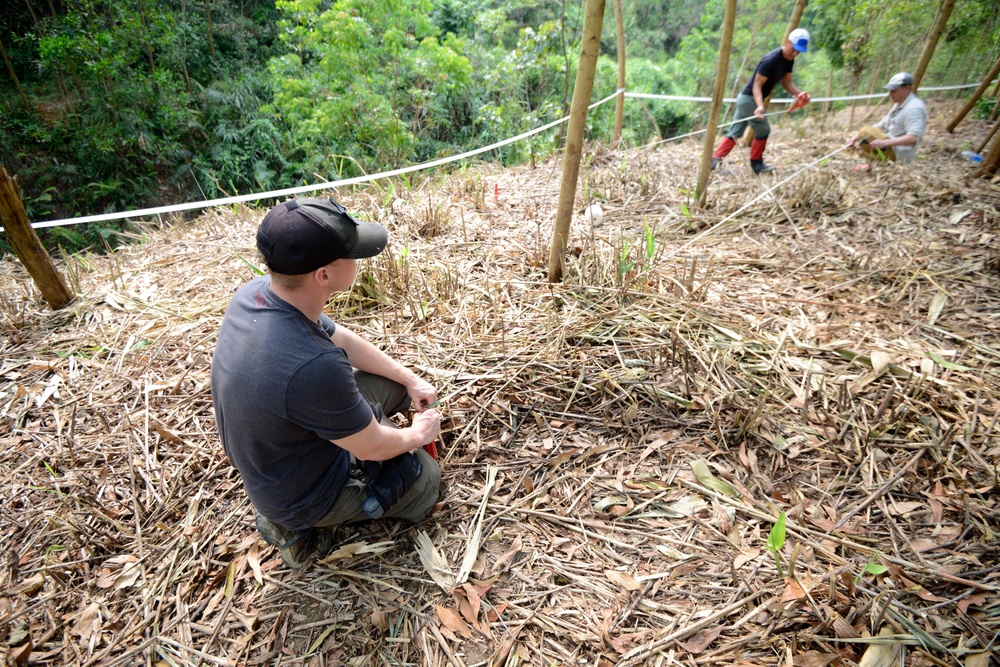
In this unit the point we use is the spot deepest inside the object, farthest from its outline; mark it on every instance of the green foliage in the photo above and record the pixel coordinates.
(138, 104)
(366, 79)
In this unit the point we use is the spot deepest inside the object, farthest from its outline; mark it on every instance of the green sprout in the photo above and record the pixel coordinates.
(776, 540)
(650, 243)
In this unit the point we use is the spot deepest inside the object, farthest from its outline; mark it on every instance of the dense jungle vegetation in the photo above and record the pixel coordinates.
(111, 105)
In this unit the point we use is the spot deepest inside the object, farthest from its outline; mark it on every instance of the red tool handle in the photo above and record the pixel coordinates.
(431, 448)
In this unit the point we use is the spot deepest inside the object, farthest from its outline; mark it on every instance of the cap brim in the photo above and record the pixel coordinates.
(892, 86)
(800, 49)
(372, 239)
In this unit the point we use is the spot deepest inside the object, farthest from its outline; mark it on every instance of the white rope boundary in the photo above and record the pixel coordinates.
(789, 100)
(286, 192)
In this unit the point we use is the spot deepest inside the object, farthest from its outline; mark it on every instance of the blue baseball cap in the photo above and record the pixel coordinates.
(799, 39)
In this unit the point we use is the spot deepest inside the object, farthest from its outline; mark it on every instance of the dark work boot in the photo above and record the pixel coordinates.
(716, 161)
(759, 167)
(294, 547)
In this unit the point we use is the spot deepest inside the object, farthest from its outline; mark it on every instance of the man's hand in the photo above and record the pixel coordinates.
(880, 143)
(759, 112)
(853, 141)
(422, 394)
(427, 424)
(801, 99)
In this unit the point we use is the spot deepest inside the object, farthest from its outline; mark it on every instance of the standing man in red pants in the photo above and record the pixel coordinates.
(774, 67)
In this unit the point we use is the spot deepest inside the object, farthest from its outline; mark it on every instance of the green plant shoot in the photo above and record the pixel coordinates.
(650, 243)
(776, 540)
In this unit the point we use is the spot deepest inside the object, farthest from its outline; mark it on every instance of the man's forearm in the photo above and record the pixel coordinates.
(377, 442)
(904, 140)
(366, 357)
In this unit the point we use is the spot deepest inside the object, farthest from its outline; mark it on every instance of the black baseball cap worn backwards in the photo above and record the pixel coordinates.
(301, 235)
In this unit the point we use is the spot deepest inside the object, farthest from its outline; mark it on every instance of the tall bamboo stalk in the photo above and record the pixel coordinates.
(989, 135)
(930, 44)
(991, 163)
(975, 97)
(589, 48)
(620, 100)
(28, 247)
(718, 91)
(211, 43)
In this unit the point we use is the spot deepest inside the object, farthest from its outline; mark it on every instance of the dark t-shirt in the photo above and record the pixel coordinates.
(282, 390)
(774, 66)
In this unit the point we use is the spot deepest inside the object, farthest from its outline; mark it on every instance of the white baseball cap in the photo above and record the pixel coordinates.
(898, 80)
(799, 39)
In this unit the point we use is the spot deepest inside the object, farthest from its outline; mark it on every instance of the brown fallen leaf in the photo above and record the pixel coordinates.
(814, 659)
(626, 641)
(30, 586)
(493, 614)
(19, 656)
(469, 609)
(88, 624)
(745, 557)
(978, 599)
(380, 619)
(514, 550)
(701, 641)
(483, 587)
(253, 558)
(843, 629)
(166, 433)
(881, 655)
(623, 579)
(453, 621)
(978, 659)
(793, 591)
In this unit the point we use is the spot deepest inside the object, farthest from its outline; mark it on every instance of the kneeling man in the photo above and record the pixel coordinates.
(902, 128)
(303, 404)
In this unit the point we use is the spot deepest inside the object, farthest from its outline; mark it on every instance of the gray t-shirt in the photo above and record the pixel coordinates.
(910, 117)
(282, 390)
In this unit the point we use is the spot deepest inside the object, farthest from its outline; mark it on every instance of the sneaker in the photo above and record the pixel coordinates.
(294, 547)
(716, 161)
(759, 167)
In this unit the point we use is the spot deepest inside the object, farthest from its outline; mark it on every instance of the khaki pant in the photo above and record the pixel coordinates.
(869, 133)
(416, 503)
(745, 107)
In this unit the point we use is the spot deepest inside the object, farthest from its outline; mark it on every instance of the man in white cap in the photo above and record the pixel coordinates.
(774, 67)
(905, 123)
(302, 404)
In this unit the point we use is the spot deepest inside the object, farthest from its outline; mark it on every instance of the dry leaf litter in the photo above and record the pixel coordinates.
(617, 448)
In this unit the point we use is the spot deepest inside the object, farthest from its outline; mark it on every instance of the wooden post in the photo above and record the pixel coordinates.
(793, 22)
(975, 97)
(620, 100)
(989, 135)
(940, 21)
(589, 48)
(718, 92)
(28, 247)
(991, 163)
